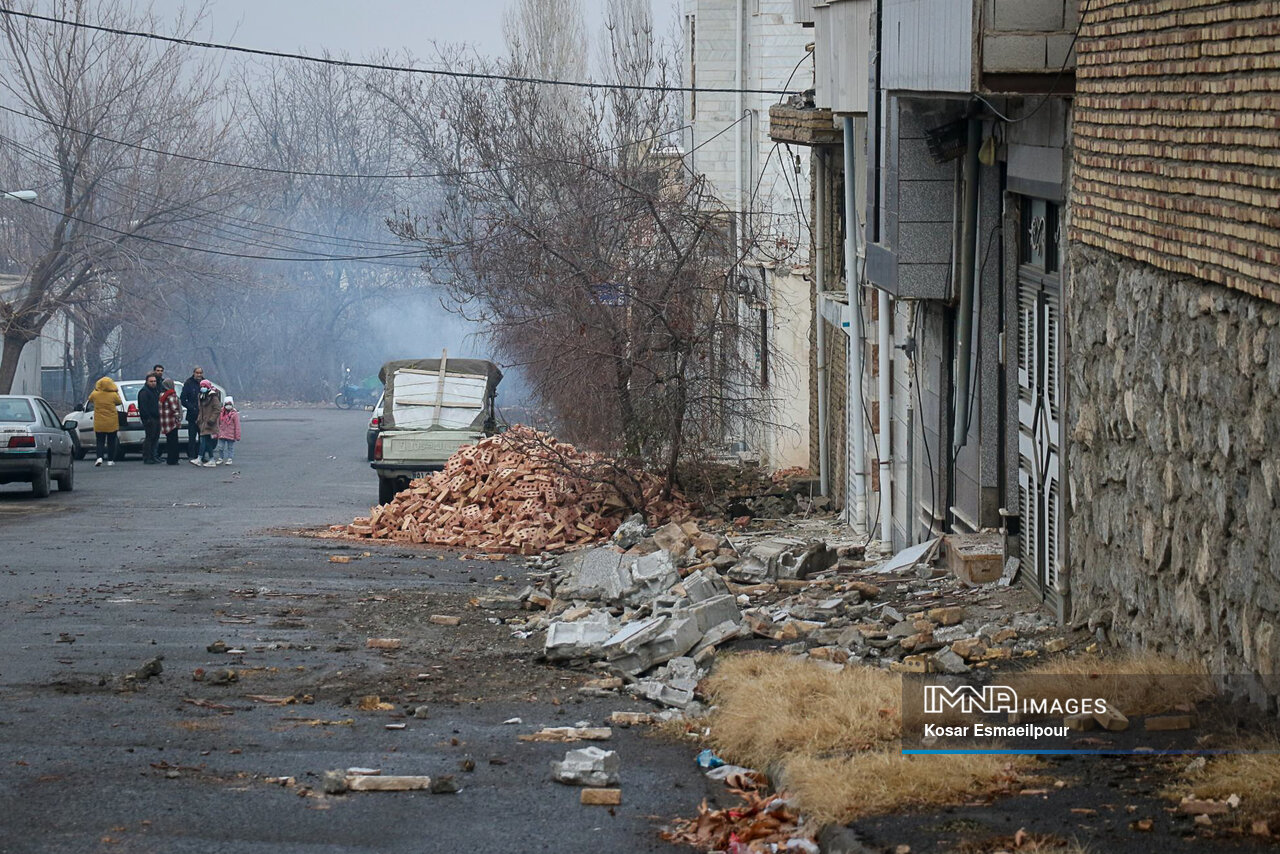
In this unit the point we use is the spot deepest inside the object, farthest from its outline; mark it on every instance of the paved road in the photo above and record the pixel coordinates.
(142, 561)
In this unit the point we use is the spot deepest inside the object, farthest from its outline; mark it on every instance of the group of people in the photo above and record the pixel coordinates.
(213, 423)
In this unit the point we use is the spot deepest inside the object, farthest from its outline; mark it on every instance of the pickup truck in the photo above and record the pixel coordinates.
(430, 408)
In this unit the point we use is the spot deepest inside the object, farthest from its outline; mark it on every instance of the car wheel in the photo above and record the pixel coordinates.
(77, 450)
(67, 481)
(40, 482)
(386, 490)
(119, 455)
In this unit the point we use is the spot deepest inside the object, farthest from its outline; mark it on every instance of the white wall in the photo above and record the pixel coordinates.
(768, 186)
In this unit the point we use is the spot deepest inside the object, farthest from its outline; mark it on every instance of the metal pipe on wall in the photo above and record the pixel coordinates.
(886, 424)
(964, 311)
(820, 286)
(857, 503)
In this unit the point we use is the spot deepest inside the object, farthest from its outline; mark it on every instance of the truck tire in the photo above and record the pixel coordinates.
(386, 489)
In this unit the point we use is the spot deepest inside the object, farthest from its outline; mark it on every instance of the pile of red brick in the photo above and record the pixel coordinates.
(520, 492)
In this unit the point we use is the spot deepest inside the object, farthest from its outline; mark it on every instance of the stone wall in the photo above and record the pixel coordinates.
(1173, 413)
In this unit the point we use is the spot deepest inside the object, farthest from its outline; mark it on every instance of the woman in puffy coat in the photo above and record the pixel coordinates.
(106, 401)
(207, 422)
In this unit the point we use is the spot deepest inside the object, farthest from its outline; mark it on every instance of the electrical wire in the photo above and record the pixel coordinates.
(407, 69)
(1054, 84)
(205, 250)
(300, 173)
(113, 190)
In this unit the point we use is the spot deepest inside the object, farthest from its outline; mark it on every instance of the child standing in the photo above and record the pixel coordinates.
(228, 431)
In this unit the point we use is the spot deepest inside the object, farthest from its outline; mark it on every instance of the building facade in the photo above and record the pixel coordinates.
(751, 45)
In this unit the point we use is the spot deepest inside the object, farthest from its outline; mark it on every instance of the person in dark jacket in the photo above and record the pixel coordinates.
(149, 412)
(191, 403)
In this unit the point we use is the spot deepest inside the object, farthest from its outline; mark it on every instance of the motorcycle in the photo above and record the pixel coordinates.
(355, 396)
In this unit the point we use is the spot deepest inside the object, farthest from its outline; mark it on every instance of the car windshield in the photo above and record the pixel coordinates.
(17, 410)
(129, 390)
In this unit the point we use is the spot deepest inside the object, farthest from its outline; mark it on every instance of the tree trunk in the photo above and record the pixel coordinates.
(14, 341)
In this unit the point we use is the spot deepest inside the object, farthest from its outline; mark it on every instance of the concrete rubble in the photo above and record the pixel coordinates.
(650, 608)
(589, 766)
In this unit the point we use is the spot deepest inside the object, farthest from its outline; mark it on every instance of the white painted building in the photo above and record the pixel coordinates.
(752, 44)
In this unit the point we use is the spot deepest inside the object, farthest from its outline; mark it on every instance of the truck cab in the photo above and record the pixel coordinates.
(430, 409)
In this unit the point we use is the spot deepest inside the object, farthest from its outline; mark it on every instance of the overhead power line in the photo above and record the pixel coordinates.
(407, 69)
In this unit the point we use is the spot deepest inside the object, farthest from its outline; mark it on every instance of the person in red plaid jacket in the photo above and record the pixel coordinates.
(170, 421)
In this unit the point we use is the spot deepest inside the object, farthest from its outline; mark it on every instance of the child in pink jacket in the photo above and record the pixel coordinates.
(228, 432)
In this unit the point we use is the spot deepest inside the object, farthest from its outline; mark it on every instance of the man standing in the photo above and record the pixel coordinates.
(149, 412)
(191, 403)
(158, 370)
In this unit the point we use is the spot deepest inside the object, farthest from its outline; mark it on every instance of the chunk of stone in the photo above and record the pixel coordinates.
(630, 532)
(672, 538)
(589, 766)
(949, 662)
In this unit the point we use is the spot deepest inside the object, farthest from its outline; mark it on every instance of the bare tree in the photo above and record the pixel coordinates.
(601, 265)
(99, 110)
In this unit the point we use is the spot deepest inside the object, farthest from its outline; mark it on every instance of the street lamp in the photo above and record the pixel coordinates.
(20, 195)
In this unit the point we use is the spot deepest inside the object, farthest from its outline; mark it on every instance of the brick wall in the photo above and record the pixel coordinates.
(1177, 114)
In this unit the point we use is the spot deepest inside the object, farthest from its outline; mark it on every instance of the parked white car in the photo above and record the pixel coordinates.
(80, 422)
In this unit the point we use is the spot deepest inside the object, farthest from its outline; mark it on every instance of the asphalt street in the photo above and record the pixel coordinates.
(146, 561)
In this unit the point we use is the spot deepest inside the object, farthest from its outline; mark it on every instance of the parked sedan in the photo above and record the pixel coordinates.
(131, 437)
(34, 447)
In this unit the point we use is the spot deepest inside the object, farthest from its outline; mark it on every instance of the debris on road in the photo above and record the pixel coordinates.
(760, 820)
(569, 733)
(384, 643)
(444, 620)
(516, 492)
(361, 783)
(592, 797)
(148, 670)
(589, 766)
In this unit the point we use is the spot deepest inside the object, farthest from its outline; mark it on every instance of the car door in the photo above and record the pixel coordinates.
(59, 441)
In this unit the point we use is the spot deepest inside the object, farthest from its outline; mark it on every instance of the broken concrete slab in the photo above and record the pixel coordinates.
(678, 636)
(596, 574)
(909, 557)
(632, 636)
(579, 639)
(716, 610)
(589, 766)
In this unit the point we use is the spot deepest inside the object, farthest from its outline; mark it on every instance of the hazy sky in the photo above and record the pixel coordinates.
(360, 29)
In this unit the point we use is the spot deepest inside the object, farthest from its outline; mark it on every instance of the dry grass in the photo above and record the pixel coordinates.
(881, 781)
(771, 706)
(832, 739)
(1136, 683)
(1255, 777)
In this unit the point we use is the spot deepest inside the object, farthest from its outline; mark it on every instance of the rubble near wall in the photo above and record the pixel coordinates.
(1173, 395)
